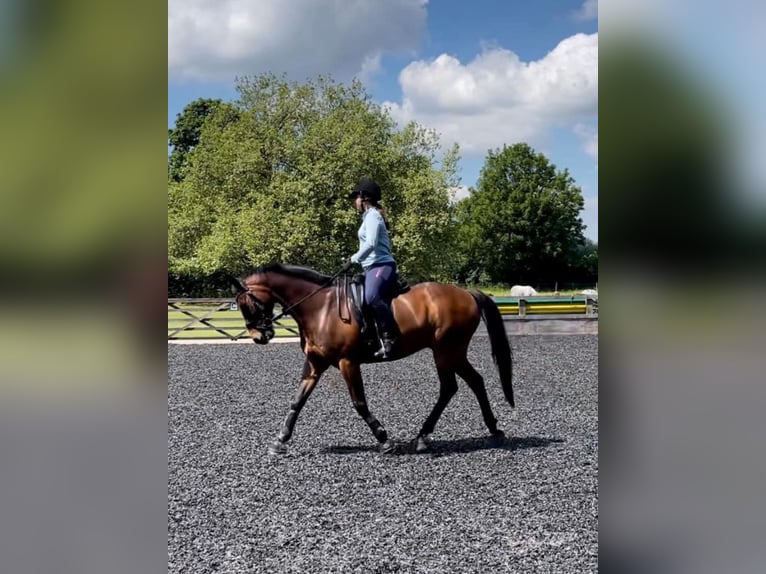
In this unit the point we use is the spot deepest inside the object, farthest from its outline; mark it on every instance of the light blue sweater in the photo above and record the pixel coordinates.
(374, 243)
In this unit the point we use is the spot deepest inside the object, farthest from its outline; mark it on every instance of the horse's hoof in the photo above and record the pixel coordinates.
(277, 448)
(388, 447)
(498, 434)
(421, 445)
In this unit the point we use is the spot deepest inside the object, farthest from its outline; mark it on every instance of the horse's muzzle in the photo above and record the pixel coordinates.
(266, 335)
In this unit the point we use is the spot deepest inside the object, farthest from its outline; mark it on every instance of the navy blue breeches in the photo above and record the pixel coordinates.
(379, 282)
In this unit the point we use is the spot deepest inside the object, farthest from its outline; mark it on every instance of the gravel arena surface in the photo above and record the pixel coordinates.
(526, 503)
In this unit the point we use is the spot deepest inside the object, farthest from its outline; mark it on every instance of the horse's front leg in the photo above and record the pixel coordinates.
(352, 374)
(311, 373)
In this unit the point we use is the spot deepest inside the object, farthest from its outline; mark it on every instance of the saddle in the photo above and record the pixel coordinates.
(353, 290)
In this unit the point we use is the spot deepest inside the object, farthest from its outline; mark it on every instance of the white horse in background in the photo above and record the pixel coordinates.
(523, 291)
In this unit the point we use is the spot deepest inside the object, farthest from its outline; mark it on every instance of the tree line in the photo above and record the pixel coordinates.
(265, 178)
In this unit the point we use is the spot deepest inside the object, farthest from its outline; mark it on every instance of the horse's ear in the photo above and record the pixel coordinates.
(236, 285)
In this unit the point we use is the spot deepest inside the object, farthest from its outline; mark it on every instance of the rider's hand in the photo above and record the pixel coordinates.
(346, 266)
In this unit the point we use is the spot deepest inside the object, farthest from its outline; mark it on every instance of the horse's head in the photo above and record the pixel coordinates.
(256, 304)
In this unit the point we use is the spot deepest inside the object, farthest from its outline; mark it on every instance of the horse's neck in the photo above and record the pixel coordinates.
(290, 291)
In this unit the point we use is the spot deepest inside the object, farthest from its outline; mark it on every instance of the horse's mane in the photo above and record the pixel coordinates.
(292, 271)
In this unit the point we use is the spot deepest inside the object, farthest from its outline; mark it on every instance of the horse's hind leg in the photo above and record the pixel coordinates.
(476, 383)
(352, 374)
(447, 389)
(311, 373)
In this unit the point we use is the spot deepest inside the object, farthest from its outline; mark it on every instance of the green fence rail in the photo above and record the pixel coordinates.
(220, 318)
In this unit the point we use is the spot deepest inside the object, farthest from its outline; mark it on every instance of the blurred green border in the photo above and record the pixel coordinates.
(83, 109)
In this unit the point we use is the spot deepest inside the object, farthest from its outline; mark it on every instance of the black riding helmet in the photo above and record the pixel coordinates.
(367, 189)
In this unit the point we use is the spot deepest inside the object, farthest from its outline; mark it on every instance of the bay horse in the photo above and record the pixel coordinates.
(438, 316)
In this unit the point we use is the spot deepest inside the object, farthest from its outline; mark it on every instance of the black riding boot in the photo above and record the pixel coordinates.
(387, 330)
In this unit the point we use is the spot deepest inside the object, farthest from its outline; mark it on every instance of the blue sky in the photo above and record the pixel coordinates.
(482, 73)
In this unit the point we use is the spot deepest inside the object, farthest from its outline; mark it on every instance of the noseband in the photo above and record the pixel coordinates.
(265, 325)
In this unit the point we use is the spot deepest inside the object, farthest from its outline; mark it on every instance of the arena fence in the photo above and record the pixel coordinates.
(220, 318)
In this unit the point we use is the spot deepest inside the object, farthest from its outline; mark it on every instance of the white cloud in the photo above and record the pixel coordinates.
(459, 192)
(497, 98)
(216, 40)
(588, 11)
(589, 137)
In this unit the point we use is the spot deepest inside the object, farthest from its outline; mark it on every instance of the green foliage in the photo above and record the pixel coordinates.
(269, 182)
(266, 178)
(185, 135)
(584, 267)
(522, 224)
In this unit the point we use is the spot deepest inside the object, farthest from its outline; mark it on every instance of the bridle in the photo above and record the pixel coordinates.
(266, 322)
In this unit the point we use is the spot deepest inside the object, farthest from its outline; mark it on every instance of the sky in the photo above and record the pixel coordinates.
(482, 73)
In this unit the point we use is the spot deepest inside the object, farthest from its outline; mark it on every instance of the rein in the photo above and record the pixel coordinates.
(309, 296)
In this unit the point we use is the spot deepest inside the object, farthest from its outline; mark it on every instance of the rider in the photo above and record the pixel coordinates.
(374, 255)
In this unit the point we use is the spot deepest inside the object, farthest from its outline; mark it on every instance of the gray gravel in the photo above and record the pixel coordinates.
(528, 503)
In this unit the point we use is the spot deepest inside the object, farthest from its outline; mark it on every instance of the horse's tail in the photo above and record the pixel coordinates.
(501, 350)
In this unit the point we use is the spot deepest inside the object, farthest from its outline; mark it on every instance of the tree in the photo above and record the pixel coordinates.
(272, 183)
(184, 137)
(522, 222)
(584, 269)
